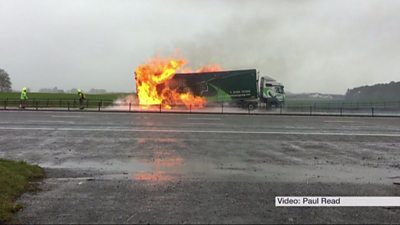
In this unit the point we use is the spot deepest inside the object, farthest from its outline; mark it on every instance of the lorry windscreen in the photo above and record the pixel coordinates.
(279, 89)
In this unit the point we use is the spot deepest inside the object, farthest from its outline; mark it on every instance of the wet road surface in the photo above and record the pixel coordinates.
(182, 168)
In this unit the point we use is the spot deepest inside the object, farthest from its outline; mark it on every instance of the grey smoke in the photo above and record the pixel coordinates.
(324, 46)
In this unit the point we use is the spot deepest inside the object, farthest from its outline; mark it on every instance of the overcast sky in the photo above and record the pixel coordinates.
(310, 46)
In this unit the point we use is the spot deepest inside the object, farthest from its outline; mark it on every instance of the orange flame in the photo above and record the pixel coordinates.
(151, 79)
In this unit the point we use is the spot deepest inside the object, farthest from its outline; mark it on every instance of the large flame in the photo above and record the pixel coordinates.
(151, 79)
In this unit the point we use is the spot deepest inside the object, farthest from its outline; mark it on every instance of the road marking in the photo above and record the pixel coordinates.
(59, 116)
(204, 118)
(339, 121)
(204, 123)
(113, 129)
(49, 121)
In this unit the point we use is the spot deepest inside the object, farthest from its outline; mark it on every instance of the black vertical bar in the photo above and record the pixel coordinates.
(372, 111)
(130, 105)
(160, 108)
(190, 108)
(310, 110)
(222, 108)
(341, 111)
(99, 106)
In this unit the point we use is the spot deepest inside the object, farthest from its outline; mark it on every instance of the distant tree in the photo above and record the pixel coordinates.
(378, 92)
(73, 91)
(56, 90)
(5, 83)
(51, 90)
(97, 91)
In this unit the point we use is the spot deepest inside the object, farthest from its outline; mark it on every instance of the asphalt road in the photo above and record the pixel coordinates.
(182, 168)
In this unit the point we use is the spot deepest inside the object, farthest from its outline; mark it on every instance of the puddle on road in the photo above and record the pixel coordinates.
(163, 166)
(132, 165)
(166, 167)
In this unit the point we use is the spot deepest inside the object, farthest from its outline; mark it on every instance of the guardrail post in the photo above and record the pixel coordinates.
(222, 108)
(130, 105)
(160, 108)
(68, 106)
(341, 111)
(99, 106)
(248, 107)
(372, 111)
(5, 104)
(36, 105)
(310, 110)
(190, 108)
(280, 109)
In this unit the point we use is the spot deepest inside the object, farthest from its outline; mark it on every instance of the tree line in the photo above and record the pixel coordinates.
(5, 86)
(375, 93)
(5, 82)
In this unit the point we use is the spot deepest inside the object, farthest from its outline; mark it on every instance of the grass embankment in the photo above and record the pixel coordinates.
(14, 180)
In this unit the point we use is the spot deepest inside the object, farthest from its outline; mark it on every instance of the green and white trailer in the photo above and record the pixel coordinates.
(245, 88)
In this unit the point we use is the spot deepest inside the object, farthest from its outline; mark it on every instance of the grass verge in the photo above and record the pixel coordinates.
(14, 180)
(61, 96)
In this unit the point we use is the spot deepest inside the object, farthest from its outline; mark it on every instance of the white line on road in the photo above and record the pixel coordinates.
(204, 118)
(339, 121)
(109, 129)
(59, 116)
(48, 121)
(205, 123)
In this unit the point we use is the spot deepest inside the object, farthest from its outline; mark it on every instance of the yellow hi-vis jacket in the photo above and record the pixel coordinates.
(24, 96)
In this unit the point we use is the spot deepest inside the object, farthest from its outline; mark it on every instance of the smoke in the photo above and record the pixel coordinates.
(324, 46)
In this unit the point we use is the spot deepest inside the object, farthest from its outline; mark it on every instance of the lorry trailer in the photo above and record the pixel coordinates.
(245, 88)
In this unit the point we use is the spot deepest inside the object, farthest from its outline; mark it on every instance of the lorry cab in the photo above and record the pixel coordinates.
(271, 92)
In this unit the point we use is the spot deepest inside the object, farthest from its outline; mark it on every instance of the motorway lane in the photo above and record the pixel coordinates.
(128, 168)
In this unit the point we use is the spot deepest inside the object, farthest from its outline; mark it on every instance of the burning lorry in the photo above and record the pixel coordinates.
(245, 88)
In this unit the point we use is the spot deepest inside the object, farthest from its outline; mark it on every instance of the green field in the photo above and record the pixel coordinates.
(14, 180)
(63, 100)
(61, 96)
(337, 104)
(67, 100)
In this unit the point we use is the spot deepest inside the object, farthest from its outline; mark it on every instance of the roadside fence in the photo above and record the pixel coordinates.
(377, 109)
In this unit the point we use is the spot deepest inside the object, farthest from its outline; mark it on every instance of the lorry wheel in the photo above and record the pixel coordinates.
(251, 107)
